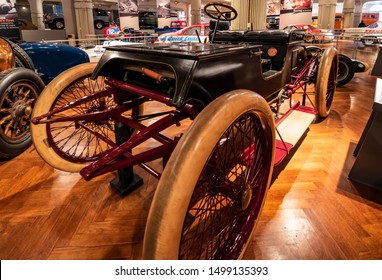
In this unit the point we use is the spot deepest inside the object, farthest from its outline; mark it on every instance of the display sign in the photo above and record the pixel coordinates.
(163, 8)
(128, 8)
(295, 6)
(295, 12)
(9, 27)
(370, 18)
(273, 7)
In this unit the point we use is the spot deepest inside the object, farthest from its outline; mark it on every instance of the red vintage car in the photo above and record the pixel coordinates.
(313, 34)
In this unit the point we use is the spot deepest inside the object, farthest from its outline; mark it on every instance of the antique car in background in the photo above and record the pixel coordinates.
(127, 34)
(51, 59)
(54, 17)
(249, 96)
(313, 34)
(175, 25)
(347, 67)
(370, 35)
(180, 23)
(25, 70)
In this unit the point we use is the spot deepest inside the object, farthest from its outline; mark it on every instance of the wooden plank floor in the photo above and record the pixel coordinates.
(312, 210)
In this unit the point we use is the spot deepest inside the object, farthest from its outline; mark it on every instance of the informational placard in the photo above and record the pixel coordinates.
(378, 92)
(273, 7)
(163, 8)
(294, 6)
(128, 8)
(370, 18)
(295, 12)
(9, 27)
(128, 14)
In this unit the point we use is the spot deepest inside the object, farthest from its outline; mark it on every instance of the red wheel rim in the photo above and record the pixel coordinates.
(81, 142)
(229, 194)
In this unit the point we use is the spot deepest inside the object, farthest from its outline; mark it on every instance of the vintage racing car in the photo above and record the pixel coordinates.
(192, 33)
(370, 36)
(313, 34)
(250, 96)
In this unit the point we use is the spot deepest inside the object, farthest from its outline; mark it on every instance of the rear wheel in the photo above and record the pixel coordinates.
(370, 40)
(345, 70)
(326, 81)
(212, 190)
(59, 24)
(19, 90)
(71, 145)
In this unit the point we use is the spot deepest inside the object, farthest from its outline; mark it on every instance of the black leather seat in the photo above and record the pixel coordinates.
(277, 37)
(267, 36)
(223, 25)
(228, 36)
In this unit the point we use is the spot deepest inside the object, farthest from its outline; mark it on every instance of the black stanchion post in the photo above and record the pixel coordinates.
(126, 181)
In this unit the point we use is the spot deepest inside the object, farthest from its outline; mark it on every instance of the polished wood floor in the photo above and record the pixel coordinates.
(312, 210)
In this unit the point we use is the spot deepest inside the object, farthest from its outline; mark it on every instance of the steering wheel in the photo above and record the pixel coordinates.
(220, 11)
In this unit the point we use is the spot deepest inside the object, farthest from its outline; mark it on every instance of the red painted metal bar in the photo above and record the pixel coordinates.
(282, 140)
(138, 126)
(152, 171)
(99, 135)
(95, 168)
(93, 116)
(146, 156)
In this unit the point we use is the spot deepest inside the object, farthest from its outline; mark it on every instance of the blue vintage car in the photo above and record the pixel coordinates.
(25, 71)
(51, 59)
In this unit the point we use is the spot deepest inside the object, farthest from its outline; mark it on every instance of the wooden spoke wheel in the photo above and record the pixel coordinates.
(212, 190)
(71, 145)
(19, 90)
(326, 81)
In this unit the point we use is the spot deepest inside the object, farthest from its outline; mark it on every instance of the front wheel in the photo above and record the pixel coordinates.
(70, 145)
(98, 24)
(212, 190)
(326, 81)
(19, 90)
